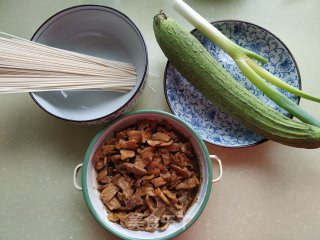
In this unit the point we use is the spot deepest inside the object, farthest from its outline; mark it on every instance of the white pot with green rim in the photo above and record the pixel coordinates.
(91, 194)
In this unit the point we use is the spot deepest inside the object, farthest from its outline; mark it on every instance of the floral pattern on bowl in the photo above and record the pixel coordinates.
(213, 125)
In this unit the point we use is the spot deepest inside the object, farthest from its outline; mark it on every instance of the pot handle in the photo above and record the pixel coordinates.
(75, 177)
(77, 168)
(215, 157)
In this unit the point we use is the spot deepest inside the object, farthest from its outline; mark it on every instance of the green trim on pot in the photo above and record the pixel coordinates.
(85, 169)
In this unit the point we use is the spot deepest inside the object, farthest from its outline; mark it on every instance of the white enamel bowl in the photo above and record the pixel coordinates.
(102, 32)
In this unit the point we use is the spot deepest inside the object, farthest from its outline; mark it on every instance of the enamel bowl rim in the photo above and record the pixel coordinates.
(95, 142)
(257, 26)
(143, 79)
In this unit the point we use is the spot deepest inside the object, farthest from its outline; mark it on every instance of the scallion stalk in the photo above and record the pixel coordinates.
(252, 70)
(212, 33)
(263, 73)
(276, 96)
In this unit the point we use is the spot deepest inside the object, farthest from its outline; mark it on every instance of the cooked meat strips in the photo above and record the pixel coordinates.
(148, 176)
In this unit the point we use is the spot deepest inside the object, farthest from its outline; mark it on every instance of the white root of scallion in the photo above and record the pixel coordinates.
(27, 66)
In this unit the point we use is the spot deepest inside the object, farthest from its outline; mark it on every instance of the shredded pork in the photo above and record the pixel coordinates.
(147, 176)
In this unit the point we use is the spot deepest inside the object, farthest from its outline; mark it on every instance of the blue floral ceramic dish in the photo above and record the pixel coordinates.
(213, 125)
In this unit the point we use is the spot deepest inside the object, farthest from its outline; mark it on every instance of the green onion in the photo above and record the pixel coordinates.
(278, 82)
(276, 96)
(252, 70)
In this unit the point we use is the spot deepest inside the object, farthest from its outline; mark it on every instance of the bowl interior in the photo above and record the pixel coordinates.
(97, 31)
(211, 123)
(91, 193)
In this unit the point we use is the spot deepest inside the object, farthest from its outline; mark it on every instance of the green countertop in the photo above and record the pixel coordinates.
(269, 191)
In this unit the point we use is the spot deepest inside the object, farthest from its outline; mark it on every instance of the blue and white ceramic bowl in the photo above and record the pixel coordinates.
(213, 125)
(102, 32)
